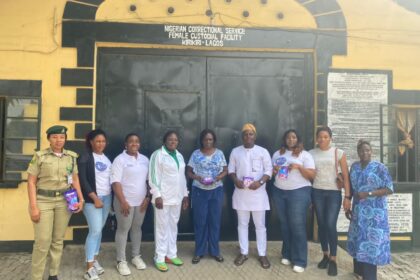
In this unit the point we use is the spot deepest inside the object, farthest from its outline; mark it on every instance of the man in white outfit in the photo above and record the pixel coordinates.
(250, 168)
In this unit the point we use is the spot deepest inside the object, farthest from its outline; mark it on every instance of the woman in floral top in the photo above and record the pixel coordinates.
(207, 167)
(368, 237)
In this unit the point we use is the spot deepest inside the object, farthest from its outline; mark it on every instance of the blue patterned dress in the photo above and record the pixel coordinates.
(368, 237)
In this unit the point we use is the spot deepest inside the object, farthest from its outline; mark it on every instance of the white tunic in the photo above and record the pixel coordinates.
(295, 180)
(255, 163)
(131, 172)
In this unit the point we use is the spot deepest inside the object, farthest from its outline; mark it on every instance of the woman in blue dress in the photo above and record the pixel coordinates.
(207, 167)
(369, 235)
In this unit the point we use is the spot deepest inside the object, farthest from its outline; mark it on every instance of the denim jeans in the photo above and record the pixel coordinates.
(96, 218)
(207, 210)
(327, 206)
(292, 207)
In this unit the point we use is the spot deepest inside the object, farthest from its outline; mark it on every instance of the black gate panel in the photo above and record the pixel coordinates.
(269, 92)
(152, 91)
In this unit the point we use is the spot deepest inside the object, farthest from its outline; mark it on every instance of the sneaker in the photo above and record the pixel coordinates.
(99, 269)
(332, 268)
(138, 262)
(298, 269)
(161, 266)
(285, 261)
(123, 269)
(91, 274)
(175, 261)
(323, 264)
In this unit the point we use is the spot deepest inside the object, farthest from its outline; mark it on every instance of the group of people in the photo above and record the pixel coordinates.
(301, 179)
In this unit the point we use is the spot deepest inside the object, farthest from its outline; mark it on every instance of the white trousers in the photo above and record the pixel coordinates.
(261, 233)
(166, 231)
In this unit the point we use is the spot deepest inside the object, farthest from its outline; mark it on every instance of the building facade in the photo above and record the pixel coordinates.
(149, 66)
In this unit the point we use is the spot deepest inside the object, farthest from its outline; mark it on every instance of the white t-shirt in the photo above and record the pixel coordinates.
(253, 163)
(294, 180)
(132, 174)
(102, 174)
(325, 168)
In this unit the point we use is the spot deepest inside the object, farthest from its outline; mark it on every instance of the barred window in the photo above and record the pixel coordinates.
(20, 113)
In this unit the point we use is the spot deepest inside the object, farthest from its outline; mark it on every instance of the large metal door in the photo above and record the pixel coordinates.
(150, 92)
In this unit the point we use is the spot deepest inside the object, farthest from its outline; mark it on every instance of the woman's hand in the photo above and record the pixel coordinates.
(346, 204)
(185, 203)
(79, 206)
(159, 203)
(276, 169)
(295, 166)
(98, 203)
(144, 204)
(362, 195)
(35, 214)
(125, 208)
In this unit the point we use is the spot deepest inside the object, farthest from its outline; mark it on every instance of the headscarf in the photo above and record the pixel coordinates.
(250, 127)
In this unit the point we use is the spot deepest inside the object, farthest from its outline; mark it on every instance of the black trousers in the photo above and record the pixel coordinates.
(366, 270)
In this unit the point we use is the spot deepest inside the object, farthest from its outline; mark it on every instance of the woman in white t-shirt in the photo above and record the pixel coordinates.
(326, 195)
(94, 174)
(293, 171)
(129, 181)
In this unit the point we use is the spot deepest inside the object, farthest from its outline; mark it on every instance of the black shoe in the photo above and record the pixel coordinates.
(324, 262)
(53, 277)
(196, 259)
(332, 268)
(218, 258)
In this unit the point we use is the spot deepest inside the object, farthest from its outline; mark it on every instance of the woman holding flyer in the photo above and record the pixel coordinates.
(52, 173)
(294, 169)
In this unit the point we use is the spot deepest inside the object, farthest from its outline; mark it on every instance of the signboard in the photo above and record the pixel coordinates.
(208, 36)
(354, 101)
(400, 214)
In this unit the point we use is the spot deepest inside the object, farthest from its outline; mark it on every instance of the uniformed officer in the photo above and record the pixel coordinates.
(51, 172)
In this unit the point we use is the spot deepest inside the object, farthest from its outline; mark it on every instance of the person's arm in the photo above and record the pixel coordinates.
(222, 174)
(155, 177)
(268, 171)
(191, 175)
(185, 200)
(76, 186)
(34, 212)
(347, 191)
(307, 169)
(116, 178)
(125, 207)
(146, 200)
(386, 184)
(232, 172)
(375, 193)
(82, 165)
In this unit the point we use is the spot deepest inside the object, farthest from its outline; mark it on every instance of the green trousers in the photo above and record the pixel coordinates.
(49, 235)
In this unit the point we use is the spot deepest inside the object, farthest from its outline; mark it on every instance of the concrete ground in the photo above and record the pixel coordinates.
(16, 266)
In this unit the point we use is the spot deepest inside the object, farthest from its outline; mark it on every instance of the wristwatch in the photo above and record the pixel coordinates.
(370, 194)
(261, 182)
